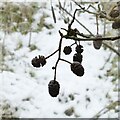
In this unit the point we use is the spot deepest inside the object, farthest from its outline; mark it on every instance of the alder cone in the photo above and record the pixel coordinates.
(77, 69)
(79, 49)
(53, 88)
(77, 57)
(35, 62)
(42, 60)
(38, 61)
(67, 50)
(97, 44)
(116, 24)
(114, 13)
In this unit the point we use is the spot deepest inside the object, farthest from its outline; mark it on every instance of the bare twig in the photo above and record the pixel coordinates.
(111, 48)
(96, 13)
(91, 39)
(97, 24)
(69, 26)
(53, 13)
(52, 54)
(106, 61)
(65, 61)
(30, 35)
(77, 20)
(59, 54)
(106, 109)
(83, 8)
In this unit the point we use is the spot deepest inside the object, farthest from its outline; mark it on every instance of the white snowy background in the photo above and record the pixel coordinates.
(24, 89)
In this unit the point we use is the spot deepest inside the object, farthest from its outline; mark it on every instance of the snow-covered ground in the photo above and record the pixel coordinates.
(25, 88)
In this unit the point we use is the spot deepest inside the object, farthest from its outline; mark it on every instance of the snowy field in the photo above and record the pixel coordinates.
(24, 89)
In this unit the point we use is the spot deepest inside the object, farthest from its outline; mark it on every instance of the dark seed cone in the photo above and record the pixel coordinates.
(53, 88)
(79, 49)
(42, 60)
(97, 44)
(77, 69)
(77, 57)
(35, 62)
(114, 13)
(116, 24)
(67, 50)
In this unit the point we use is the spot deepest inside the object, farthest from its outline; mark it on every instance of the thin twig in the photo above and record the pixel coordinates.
(83, 8)
(52, 54)
(77, 21)
(30, 36)
(96, 13)
(104, 32)
(107, 60)
(96, 39)
(55, 72)
(69, 26)
(65, 61)
(91, 39)
(73, 44)
(111, 48)
(59, 55)
(106, 109)
(97, 24)
(53, 13)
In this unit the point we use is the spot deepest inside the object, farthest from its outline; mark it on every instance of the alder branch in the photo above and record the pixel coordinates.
(83, 8)
(77, 20)
(65, 61)
(91, 39)
(96, 13)
(59, 55)
(69, 26)
(76, 66)
(96, 39)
